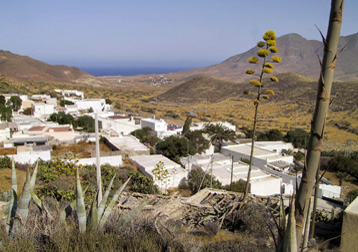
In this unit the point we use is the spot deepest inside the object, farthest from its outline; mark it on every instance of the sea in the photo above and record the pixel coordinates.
(131, 71)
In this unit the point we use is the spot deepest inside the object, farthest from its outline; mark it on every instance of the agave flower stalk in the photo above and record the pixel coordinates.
(266, 48)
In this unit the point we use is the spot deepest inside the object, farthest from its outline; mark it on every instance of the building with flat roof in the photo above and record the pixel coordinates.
(147, 163)
(262, 157)
(160, 127)
(128, 145)
(261, 183)
(121, 125)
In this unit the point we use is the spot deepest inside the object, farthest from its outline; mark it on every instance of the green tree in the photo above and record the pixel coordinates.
(108, 101)
(218, 134)
(197, 177)
(61, 118)
(86, 122)
(267, 47)
(297, 137)
(146, 136)
(315, 142)
(15, 102)
(187, 123)
(6, 113)
(174, 147)
(274, 135)
(2, 100)
(352, 195)
(65, 102)
(200, 143)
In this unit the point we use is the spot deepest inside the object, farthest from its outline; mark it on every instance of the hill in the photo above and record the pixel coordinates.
(201, 89)
(27, 68)
(291, 88)
(299, 55)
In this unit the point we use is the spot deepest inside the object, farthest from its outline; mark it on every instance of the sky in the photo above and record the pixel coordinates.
(156, 33)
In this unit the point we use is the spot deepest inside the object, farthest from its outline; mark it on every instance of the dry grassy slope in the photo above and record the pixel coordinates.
(200, 89)
(290, 107)
(25, 67)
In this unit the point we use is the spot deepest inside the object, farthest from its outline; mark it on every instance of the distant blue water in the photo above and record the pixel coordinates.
(130, 71)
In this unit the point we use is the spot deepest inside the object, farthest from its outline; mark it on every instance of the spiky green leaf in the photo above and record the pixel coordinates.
(111, 204)
(80, 205)
(102, 205)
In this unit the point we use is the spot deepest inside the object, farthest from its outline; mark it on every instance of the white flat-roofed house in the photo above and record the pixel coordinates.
(72, 93)
(52, 101)
(97, 105)
(128, 145)
(62, 134)
(71, 109)
(262, 157)
(202, 125)
(160, 127)
(42, 110)
(147, 163)
(4, 132)
(31, 154)
(24, 122)
(261, 183)
(121, 125)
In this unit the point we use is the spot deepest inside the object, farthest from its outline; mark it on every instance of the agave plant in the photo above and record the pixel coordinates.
(98, 213)
(18, 207)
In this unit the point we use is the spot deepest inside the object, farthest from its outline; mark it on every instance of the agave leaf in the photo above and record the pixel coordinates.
(33, 177)
(69, 208)
(13, 176)
(92, 221)
(24, 201)
(80, 205)
(11, 213)
(129, 216)
(111, 204)
(102, 205)
(40, 205)
(290, 240)
(282, 215)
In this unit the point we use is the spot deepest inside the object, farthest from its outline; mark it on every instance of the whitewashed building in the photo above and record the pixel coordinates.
(262, 157)
(202, 125)
(42, 110)
(147, 163)
(120, 125)
(219, 166)
(97, 105)
(160, 127)
(128, 145)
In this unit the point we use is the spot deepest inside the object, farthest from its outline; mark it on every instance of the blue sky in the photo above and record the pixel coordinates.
(185, 33)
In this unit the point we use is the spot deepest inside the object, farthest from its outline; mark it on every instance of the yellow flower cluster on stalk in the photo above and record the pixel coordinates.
(267, 47)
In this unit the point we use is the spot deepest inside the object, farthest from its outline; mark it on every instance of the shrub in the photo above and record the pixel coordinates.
(5, 162)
